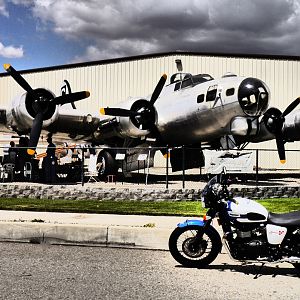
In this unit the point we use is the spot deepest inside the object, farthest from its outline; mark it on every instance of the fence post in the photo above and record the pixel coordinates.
(167, 167)
(183, 167)
(256, 170)
(139, 173)
(82, 167)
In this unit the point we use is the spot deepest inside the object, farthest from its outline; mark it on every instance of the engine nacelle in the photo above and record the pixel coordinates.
(244, 126)
(21, 115)
(127, 128)
(291, 126)
(130, 126)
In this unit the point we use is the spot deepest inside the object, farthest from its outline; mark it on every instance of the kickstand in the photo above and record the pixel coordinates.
(259, 271)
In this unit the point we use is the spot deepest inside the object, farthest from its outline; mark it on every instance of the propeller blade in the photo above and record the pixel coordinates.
(67, 88)
(158, 89)
(69, 98)
(35, 133)
(280, 148)
(18, 78)
(291, 107)
(118, 112)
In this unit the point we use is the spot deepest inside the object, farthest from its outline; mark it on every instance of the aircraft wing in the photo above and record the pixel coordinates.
(75, 123)
(65, 124)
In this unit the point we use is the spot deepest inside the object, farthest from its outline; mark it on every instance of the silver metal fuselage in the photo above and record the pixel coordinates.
(182, 120)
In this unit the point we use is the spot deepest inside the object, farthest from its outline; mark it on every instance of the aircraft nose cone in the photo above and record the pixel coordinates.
(253, 96)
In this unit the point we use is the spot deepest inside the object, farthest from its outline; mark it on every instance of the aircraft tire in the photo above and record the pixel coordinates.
(107, 164)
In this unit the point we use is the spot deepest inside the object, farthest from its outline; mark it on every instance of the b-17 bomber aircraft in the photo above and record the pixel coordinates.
(197, 111)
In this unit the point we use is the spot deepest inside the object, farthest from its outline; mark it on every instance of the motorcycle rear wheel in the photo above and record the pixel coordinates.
(190, 254)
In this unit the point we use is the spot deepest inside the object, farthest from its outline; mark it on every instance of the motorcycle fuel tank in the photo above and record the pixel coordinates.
(246, 211)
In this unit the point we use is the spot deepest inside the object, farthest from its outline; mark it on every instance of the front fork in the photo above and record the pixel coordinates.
(207, 220)
(226, 227)
(223, 221)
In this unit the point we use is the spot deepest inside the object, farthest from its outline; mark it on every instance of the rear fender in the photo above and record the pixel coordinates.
(198, 222)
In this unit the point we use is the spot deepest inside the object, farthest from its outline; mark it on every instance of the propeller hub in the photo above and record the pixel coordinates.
(40, 102)
(146, 117)
(273, 119)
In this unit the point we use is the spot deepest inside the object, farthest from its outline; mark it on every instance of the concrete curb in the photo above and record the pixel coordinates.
(74, 234)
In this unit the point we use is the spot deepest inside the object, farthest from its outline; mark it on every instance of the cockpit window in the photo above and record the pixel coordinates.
(188, 79)
(179, 77)
(186, 83)
(177, 86)
(200, 78)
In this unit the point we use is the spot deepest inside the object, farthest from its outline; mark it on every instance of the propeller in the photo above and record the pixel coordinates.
(274, 120)
(120, 112)
(41, 101)
(67, 88)
(158, 88)
(142, 112)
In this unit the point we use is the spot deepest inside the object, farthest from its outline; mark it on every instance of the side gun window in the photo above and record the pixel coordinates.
(230, 92)
(200, 98)
(211, 95)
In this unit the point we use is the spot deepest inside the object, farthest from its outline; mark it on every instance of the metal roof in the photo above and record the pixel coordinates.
(155, 55)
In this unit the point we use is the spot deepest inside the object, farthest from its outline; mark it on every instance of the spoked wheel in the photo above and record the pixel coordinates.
(192, 252)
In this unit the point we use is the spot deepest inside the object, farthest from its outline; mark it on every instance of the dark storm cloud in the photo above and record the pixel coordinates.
(256, 16)
(120, 28)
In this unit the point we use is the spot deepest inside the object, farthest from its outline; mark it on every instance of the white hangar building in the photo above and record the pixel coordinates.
(113, 80)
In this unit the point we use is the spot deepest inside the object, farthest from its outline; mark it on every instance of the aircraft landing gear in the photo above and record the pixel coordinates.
(107, 164)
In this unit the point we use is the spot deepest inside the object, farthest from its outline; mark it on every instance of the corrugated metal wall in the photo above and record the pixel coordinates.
(112, 82)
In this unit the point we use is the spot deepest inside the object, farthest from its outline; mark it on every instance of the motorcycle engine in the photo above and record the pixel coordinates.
(249, 244)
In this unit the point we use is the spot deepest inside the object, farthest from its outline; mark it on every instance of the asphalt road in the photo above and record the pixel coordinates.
(69, 272)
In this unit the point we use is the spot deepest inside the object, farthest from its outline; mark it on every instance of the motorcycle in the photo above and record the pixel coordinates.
(251, 234)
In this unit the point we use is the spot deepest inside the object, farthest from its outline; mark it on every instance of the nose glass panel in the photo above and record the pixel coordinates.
(253, 96)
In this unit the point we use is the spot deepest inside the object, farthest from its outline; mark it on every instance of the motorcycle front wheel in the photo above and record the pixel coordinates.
(192, 252)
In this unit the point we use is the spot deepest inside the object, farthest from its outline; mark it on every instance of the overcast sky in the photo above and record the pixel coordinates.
(40, 33)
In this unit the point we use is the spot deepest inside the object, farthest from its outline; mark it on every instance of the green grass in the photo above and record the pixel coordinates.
(182, 208)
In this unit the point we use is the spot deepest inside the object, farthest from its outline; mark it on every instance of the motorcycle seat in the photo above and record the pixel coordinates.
(285, 219)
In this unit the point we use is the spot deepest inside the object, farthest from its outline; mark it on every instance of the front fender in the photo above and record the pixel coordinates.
(198, 222)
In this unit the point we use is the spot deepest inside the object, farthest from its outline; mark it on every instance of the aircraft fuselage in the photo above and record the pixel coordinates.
(202, 112)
